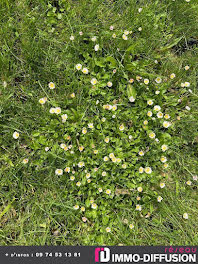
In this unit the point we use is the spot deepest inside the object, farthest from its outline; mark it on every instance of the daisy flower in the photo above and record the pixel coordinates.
(71, 38)
(81, 164)
(78, 184)
(106, 140)
(138, 198)
(187, 108)
(111, 155)
(108, 229)
(166, 116)
(42, 101)
(157, 92)
(165, 165)
(103, 119)
(57, 110)
(76, 207)
(64, 118)
(189, 183)
(94, 206)
(186, 67)
(187, 84)
(148, 170)
(84, 219)
(72, 178)
(106, 158)
(141, 170)
(114, 107)
(131, 80)
(93, 38)
(51, 85)
(152, 135)
(109, 84)
(166, 124)
(124, 166)
(84, 130)
(90, 125)
(145, 122)
(158, 80)
(94, 81)
(15, 135)
(140, 10)
(162, 185)
(131, 226)
(159, 199)
(114, 35)
(172, 76)
(72, 95)
(82, 209)
(157, 108)
(85, 71)
(108, 191)
(139, 189)
(150, 102)
(95, 151)
(164, 147)
(124, 37)
(159, 114)
(138, 207)
(104, 173)
(146, 81)
(141, 153)
(185, 216)
(131, 99)
(52, 110)
(80, 33)
(100, 190)
(111, 28)
(140, 29)
(78, 66)
(25, 161)
(59, 172)
(149, 113)
(121, 128)
(67, 169)
(96, 48)
(126, 32)
(163, 159)
(81, 148)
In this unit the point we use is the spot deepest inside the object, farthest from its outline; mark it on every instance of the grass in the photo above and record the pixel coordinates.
(35, 205)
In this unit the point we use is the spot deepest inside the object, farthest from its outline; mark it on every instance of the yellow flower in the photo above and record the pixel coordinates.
(131, 226)
(124, 37)
(76, 207)
(94, 206)
(84, 130)
(94, 81)
(149, 113)
(82, 209)
(159, 199)
(141, 153)
(78, 184)
(145, 122)
(166, 124)
(51, 85)
(150, 102)
(15, 135)
(58, 171)
(72, 178)
(172, 76)
(148, 170)
(166, 116)
(25, 161)
(189, 183)
(152, 135)
(108, 191)
(106, 158)
(108, 229)
(185, 216)
(106, 140)
(139, 189)
(90, 125)
(67, 169)
(85, 71)
(78, 66)
(121, 127)
(146, 81)
(138, 207)
(158, 80)
(162, 185)
(72, 95)
(81, 148)
(141, 170)
(109, 84)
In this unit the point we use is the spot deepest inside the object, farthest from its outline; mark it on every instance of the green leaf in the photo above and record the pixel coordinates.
(131, 91)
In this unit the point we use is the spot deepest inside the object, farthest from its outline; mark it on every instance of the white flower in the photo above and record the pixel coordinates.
(152, 135)
(158, 80)
(159, 199)
(157, 92)
(25, 161)
(52, 110)
(78, 66)
(187, 84)
(57, 110)
(85, 71)
(150, 102)
(81, 164)
(59, 172)
(96, 48)
(93, 38)
(166, 124)
(163, 159)
(172, 76)
(138, 207)
(78, 184)
(108, 191)
(149, 113)
(124, 37)
(141, 170)
(15, 135)
(146, 81)
(64, 118)
(140, 10)
(46, 149)
(186, 67)
(157, 108)
(140, 29)
(159, 114)
(90, 125)
(162, 185)
(141, 153)
(131, 99)
(4, 84)
(148, 170)
(109, 84)
(94, 206)
(80, 33)
(164, 147)
(76, 207)
(111, 28)
(185, 216)
(94, 81)
(139, 189)
(51, 85)
(121, 127)
(131, 226)
(108, 229)
(187, 108)
(71, 38)
(42, 100)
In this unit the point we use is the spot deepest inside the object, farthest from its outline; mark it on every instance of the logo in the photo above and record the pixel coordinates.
(102, 254)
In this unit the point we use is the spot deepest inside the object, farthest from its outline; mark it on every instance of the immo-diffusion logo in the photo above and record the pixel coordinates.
(102, 254)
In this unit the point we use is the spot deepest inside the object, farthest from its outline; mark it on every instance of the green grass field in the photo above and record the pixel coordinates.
(36, 48)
